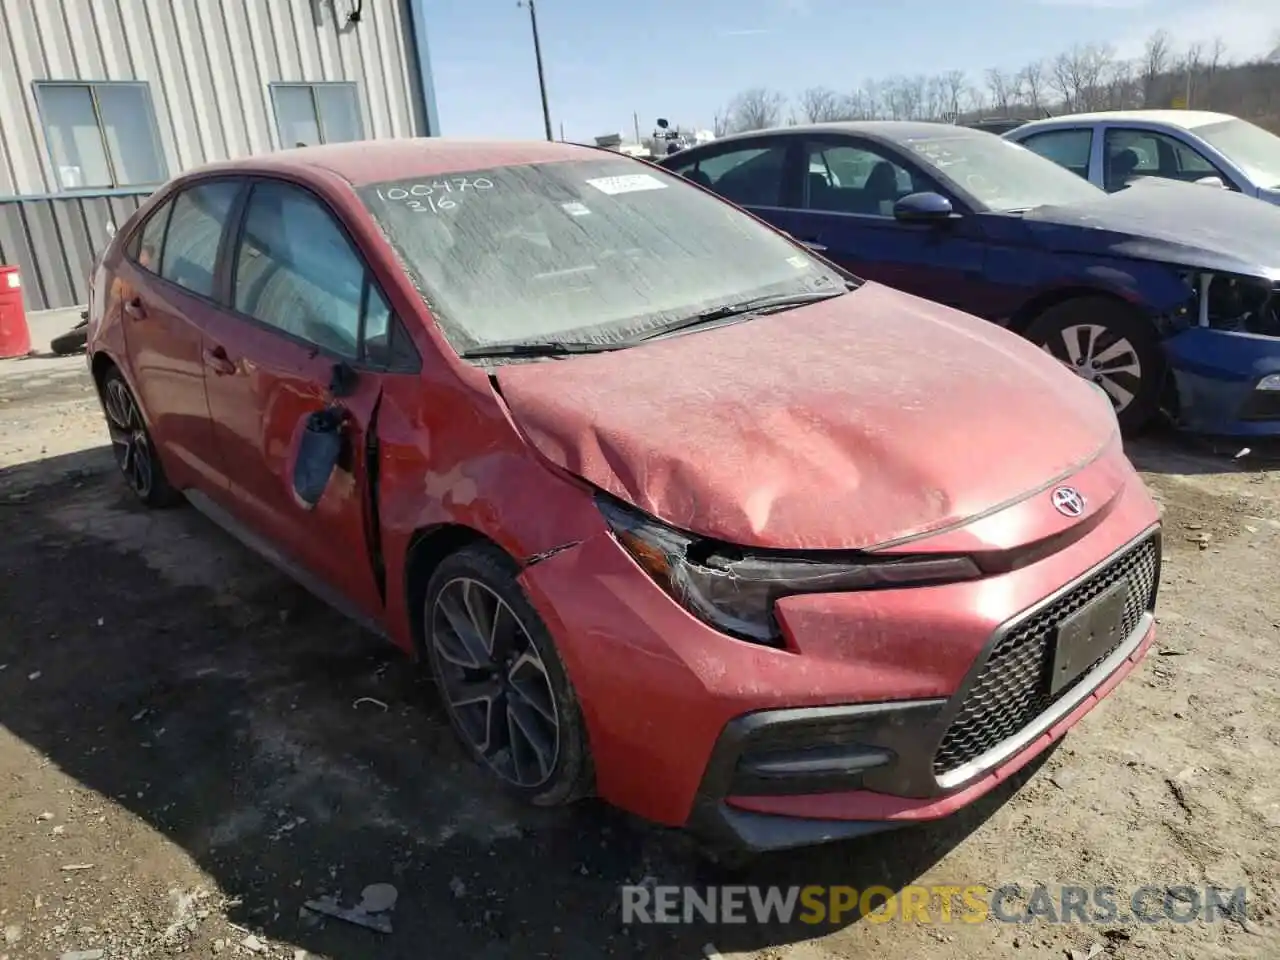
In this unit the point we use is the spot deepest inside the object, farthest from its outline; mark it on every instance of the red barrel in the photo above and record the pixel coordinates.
(15, 335)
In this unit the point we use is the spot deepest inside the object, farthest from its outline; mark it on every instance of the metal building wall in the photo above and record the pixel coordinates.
(208, 64)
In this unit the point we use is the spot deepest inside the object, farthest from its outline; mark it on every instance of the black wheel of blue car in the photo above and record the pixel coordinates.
(1107, 342)
(131, 443)
(501, 679)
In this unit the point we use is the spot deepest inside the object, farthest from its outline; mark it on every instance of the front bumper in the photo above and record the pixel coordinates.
(661, 692)
(1217, 373)
(786, 778)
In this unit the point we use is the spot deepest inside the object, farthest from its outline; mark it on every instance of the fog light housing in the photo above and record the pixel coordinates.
(1270, 382)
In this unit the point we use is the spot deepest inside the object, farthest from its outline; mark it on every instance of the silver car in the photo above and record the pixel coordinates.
(1112, 149)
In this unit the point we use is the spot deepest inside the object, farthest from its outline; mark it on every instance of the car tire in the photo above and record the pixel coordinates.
(135, 453)
(508, 697)
(1078, 332)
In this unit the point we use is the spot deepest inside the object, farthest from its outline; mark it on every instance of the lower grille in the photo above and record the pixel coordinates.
(1013, 688)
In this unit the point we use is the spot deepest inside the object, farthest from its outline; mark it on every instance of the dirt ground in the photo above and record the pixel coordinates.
(186, 757)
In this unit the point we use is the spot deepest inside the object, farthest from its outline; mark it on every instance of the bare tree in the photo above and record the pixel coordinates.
(1002, 88)
(874, 94)
(756, 109)
(1190, 69)
(823, 105)
(1031, 84)
(1156, 58)
(935, 98)
(1121, 90)
(1217, 53)
(954, 82)
(720, 124)
(975, 99)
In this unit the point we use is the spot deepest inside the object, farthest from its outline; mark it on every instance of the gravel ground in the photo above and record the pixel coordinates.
(187, 756)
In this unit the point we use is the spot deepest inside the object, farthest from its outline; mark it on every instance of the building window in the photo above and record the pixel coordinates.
(101, 135)
(312, 113)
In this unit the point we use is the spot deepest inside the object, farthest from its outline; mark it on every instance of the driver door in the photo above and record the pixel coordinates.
(298, 296)
(847, 197)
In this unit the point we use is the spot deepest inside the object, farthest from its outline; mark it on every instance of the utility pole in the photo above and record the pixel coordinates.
(537, 53)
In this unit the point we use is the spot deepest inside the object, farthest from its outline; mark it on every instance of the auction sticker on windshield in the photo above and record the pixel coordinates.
(630, 183)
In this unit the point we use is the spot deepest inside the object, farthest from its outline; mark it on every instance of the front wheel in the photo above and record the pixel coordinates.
(501, 679)
(1108, 343)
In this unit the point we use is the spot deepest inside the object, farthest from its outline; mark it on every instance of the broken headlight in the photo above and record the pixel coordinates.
(1236, 304)
(734, 588)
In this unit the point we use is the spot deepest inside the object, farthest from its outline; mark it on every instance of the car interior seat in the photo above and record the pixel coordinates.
(1121, 167)
(881, 187)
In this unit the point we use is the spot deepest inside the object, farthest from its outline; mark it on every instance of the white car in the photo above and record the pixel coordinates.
(1113, 148)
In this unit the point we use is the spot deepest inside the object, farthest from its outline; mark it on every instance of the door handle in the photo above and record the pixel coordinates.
(814, 245)
(217, 360)
(135, 308)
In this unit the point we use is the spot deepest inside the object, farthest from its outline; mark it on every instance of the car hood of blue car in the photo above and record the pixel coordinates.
(1188, 225)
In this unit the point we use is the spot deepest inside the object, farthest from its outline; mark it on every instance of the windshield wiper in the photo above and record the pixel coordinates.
(536, 348)
(746, 308)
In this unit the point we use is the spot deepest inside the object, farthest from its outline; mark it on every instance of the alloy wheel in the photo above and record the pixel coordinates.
(495, 683)
(1096, 353)
(129, 440)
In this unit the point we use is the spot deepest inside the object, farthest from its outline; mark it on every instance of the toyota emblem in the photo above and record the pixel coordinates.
(1068, 501)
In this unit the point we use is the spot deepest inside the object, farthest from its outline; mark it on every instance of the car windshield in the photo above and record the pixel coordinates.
(1001, 175)
(1252, 149)
(583, 251)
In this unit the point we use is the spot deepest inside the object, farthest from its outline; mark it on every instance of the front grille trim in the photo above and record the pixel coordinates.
(954, 766)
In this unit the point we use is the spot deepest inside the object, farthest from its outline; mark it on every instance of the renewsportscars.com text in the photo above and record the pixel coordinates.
(936, 904)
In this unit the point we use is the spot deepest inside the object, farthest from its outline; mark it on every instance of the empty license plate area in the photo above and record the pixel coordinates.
(1086, 635)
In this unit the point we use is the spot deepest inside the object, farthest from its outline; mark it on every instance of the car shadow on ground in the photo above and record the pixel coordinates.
(1163, 449)
(292, 755)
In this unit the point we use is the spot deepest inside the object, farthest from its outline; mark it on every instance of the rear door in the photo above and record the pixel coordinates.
(1069, 147)
(167, 291)
(758, 173)
(301, 305)
(849, 189)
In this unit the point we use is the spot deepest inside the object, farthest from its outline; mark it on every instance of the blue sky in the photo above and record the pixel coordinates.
(685, 59)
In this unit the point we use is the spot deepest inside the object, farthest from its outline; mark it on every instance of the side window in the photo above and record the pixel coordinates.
(844, 178)
(1066, 148)
(295, 270)
(1191, 164)
(144, 248)
(1140, 153)
(751, 176)
(195, 230)
(386, 343)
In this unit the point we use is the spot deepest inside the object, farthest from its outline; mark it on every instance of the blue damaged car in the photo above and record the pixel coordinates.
(1165, 294)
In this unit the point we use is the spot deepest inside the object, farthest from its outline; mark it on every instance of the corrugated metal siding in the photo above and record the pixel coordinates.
(56, 241)
(208, 63)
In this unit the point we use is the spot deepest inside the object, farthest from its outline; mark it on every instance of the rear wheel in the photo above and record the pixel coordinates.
(131, 443)
(1110, 344)
(501, 679)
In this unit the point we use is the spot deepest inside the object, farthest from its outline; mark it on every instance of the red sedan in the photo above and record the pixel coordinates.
(677, 512)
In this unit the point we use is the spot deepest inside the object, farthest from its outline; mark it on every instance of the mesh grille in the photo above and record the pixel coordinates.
(1013, 688)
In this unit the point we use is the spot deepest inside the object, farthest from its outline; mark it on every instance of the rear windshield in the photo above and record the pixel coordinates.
(592, 251)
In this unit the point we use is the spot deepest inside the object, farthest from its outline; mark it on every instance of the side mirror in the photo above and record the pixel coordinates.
(1211, 181)
(319, 450)
(662, 124)
(924, 208)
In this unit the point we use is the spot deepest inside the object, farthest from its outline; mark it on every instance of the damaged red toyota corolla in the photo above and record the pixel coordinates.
(677, 512)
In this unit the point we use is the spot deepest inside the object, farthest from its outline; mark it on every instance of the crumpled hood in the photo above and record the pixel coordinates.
(841, 425)
(1185, 224)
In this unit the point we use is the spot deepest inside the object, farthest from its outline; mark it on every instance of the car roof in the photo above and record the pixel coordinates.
(891, 130)
(1183, 119)
(362, 162)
